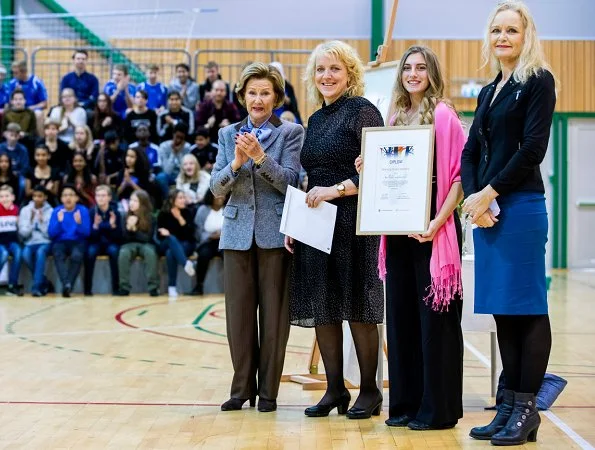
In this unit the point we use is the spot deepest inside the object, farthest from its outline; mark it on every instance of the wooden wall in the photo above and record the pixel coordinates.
(572, 61)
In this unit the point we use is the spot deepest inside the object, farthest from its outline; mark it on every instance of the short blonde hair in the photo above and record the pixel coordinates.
(105, 188)
(261, 71)
(531, 60)
(348, 56)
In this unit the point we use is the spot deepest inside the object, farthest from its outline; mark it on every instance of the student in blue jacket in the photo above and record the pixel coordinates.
(69, 230)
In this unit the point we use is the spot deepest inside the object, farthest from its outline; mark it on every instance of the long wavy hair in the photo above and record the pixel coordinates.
(531, 60)
(433, 94)
(144, 213)
(348, 56)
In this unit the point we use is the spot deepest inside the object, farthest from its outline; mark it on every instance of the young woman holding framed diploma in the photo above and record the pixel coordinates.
(423, 271)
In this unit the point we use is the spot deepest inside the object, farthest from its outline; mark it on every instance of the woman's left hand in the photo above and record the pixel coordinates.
(249, 144)
(477, 204)
(318, 194)
(429, 234)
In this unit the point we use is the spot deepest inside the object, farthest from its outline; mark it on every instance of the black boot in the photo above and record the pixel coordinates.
(486, 432)
(523, 423)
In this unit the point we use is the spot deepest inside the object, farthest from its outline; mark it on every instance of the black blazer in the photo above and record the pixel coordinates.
(508, 139)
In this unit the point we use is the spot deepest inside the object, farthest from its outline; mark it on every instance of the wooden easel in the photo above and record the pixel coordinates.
(314, 380)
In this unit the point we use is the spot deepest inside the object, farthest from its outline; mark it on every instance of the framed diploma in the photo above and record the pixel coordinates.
(395, 186)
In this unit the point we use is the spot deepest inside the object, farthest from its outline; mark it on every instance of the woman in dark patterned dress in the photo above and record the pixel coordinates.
(327, 289)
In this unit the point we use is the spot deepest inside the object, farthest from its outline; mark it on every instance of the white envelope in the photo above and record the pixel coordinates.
(312, 226)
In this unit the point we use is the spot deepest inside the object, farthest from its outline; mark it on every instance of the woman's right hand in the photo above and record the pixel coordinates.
(486, 220)
(359, 162)
(289, 244)
(240, 158)
(106, 122)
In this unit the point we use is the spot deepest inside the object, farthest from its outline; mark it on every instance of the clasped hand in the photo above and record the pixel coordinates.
(247, 147)
(476, 205)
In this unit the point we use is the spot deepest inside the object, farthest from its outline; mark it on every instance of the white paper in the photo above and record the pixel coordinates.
(312, 226)
(495, 210)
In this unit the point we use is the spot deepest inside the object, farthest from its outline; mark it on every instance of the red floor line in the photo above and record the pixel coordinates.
(119, 319)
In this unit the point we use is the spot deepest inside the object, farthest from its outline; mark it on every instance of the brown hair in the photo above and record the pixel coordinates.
(145, 209)
(261, 71)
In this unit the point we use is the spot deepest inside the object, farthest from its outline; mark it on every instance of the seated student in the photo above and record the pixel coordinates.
(106, 233)
(34, 221)
(35, 93)
(192, 181)
(110, 159)
(42, 174)
(134, 176)
(69, 114)
(84, 84)
(19, 114)
(16, 151)
(185, 85)
(9, 238)
(81, 178)
(208, 221)
(69, 230)
(171, 154)
(83, 143)
(172, 116)
(157, 91)
(7, 176)
(140, 115)
(60, 154)
(217, 112)
(120, 90)
(138, 227)
(175, 228)
(104, 118)
(205, 152)
(150, 150)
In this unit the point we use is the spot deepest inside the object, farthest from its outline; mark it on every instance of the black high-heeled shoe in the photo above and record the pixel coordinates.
(342, 403)
(265, 405)
(366, 413)
(235, 404)
(399, 421)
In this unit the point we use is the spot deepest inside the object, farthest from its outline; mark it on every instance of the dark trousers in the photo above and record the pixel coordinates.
(68, 258)
(425, 347)
(206, 251)
(257, 316)
(95, 249)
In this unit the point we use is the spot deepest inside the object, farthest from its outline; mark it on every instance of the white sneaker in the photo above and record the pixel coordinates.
(172, 291)
(189, 268)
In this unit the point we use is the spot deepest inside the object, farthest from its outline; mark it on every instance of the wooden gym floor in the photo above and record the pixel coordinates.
(142, 372)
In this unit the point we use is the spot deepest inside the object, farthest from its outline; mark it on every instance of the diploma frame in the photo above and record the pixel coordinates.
(387, 223)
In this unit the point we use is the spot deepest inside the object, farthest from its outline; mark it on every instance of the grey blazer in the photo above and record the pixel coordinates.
(257, 195)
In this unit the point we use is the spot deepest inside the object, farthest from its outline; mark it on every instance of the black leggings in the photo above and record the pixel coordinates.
(525, 343)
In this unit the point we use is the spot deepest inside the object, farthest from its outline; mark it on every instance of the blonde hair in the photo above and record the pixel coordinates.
(105, 188)
(531, 60)
(88, 142)
(262, 71)
(348, 56)
(182, 177)
(432, 95)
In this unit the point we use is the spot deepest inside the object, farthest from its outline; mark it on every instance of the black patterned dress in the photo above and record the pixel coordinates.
(327, 289)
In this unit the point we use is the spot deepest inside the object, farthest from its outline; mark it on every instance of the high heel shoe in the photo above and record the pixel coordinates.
(235, 404)
(366, 413)
(486, 432)
(523, 423)
(342, 403)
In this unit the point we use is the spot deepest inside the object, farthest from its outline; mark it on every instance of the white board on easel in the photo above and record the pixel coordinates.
(379, 82)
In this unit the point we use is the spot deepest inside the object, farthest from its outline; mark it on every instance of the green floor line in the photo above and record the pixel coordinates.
(201, 316)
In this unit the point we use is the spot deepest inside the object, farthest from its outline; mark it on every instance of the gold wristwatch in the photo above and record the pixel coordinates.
(341, 188)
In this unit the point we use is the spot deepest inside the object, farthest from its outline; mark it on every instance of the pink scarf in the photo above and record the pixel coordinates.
(445, 264)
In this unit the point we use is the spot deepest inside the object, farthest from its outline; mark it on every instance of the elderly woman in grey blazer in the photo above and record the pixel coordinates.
(258, 158)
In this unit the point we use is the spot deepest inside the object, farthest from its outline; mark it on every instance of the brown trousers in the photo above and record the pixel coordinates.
(257, 316)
